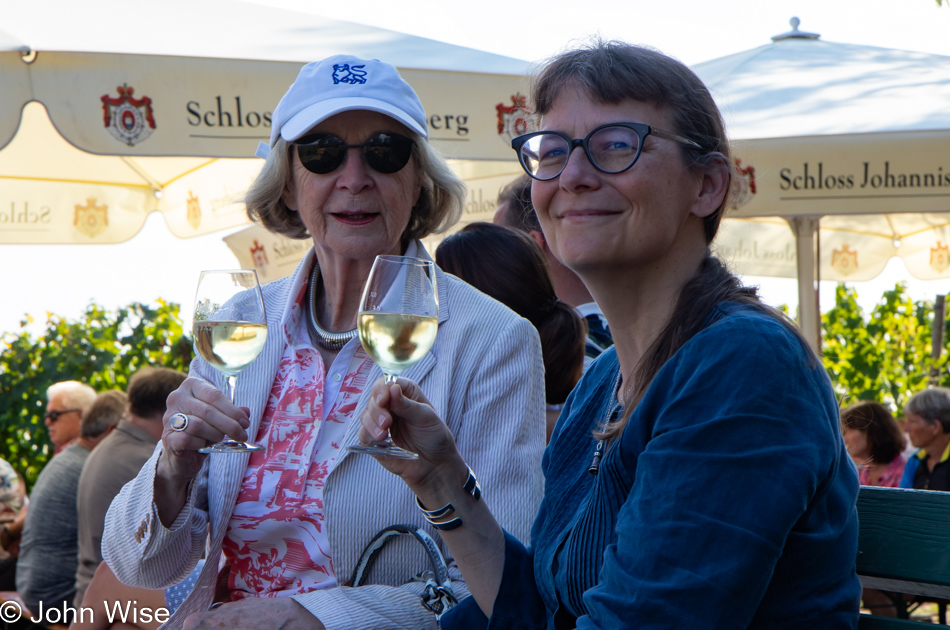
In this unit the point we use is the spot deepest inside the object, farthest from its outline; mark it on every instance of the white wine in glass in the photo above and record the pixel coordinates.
(396, 340)
(397, 324)
(229, 330)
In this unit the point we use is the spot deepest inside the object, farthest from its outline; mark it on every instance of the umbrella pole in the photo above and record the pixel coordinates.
(805, 229)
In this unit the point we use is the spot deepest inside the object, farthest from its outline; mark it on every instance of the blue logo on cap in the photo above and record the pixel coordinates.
(343, 73)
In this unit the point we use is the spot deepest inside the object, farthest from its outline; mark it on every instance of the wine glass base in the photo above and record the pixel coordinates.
(231, 447)
(382, 449)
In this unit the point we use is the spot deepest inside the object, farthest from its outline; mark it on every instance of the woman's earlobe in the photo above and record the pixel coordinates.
(716, 181)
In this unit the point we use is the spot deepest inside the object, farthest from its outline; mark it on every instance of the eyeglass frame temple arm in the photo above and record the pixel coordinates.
(657, 132)
(672, 136)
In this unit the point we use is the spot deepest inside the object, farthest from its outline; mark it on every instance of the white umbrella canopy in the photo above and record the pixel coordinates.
(851, 248)
(101, 124)
(823, 129)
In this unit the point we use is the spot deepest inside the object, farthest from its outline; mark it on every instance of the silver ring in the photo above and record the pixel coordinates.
(178, 422)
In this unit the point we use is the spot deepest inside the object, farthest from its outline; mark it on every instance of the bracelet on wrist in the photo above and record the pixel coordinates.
(447, 526)
(470, 486)
(443, 511)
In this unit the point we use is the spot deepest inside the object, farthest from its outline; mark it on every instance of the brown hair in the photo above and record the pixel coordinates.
(610, 72)
(885, 438)
(509, 266)
(439, 206)
(149, 388)
(519, 214)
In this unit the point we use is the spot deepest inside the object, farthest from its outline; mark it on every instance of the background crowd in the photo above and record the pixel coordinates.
(101, 441)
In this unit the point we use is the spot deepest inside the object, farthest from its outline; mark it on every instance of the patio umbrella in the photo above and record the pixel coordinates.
(824, 129)
(108, 116)
(852, 248)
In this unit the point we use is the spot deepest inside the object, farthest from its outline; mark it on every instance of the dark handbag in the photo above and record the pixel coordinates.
(438, 595)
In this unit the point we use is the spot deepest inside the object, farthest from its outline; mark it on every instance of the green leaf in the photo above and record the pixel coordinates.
(884, 357)
(101, 348)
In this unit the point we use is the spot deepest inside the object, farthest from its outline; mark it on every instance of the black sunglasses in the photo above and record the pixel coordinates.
(323, 153)
(53, 416)
(612, 148)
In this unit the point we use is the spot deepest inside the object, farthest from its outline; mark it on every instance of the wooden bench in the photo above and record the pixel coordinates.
(903, 547)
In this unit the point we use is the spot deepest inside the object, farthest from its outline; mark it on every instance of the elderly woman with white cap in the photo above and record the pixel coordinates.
(348, 166)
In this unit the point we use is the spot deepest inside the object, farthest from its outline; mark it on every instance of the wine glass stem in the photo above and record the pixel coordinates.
(232, 380)
(390, 378)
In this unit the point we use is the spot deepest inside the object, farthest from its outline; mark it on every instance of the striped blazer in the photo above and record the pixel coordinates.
(485, 378)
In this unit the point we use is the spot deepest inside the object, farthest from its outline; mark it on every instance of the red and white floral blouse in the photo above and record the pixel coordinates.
(276, 541)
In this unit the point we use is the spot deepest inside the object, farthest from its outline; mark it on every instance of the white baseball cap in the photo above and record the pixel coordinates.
(339, 84)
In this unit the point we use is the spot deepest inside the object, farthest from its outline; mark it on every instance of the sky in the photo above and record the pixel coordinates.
(63, 279)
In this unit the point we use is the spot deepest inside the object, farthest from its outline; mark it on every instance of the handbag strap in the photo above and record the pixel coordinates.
(438, 595)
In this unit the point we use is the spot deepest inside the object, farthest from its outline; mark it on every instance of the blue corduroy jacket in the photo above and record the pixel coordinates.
(727, 502)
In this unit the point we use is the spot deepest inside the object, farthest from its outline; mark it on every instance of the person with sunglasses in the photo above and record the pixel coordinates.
(348, 167)
(696, 477)
(49, 545)
(66, 403)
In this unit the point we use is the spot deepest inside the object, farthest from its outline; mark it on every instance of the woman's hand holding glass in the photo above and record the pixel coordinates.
(398, 322)
(211, 416)
(401, 410)
(437, 478)
(230, 330)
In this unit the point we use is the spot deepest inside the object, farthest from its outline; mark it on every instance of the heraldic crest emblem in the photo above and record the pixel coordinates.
(844, 260)
(743, 185)
(344, 73)
(259, 256)
(90, 219)
(194, 211)
(940, 257)
(514, 120)
(128, 119)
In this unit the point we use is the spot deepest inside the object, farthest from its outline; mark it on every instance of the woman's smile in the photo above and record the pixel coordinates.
(355, 218)
(586, 214)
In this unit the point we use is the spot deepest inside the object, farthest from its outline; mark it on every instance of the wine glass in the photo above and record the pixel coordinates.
(398, 320)
(229, 330)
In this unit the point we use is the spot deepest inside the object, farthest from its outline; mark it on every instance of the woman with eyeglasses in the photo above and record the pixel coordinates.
(349, 167)
(697, 477)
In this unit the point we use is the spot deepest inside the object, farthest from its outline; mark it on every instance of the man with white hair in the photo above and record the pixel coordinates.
(46, 568)
(67, 403)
